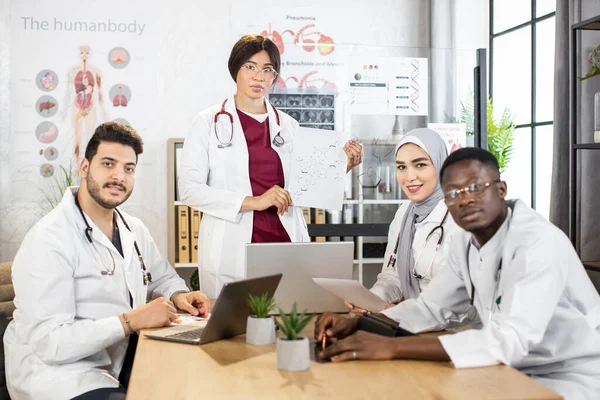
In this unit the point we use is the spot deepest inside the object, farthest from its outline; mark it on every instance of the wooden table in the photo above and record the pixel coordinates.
(231, 369)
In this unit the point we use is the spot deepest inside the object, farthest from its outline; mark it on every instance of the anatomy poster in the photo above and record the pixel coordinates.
(72, 69)
(306, 39)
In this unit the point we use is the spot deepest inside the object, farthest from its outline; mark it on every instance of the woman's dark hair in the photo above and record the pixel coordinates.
(248, 46)
(114, 132)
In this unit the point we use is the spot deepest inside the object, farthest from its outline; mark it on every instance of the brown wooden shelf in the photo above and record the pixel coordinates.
(591, 24)
(592, 265)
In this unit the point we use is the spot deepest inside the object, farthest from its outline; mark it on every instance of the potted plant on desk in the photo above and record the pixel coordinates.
(260, 328)
(293, 353)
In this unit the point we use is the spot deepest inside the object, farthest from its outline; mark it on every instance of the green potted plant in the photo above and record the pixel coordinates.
(293, 353)
(61, 180)
(260, 326)
(500, 131)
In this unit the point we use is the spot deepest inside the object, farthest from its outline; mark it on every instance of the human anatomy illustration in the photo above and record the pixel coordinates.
(120, 95)
(46, 132)
(308, 37)
(87, 106)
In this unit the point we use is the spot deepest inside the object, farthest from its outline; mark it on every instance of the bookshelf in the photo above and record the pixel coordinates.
(592, 24)
(360, 228)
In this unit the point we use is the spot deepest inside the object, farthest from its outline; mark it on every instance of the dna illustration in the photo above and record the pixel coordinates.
(414, 74)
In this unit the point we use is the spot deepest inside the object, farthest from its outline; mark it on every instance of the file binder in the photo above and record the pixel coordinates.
(195, 228)
(183, 234)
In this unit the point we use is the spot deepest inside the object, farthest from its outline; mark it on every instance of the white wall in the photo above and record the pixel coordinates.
(190, 44)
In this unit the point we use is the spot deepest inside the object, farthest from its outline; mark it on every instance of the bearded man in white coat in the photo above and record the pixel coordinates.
(83, 278)
(540, 311)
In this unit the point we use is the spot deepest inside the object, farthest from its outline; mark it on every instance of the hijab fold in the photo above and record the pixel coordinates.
(435, 147)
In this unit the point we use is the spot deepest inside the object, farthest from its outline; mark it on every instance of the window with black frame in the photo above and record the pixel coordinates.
(521, 86)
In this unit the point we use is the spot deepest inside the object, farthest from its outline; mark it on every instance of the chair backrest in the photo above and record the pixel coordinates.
(7, 294)
(7, 307)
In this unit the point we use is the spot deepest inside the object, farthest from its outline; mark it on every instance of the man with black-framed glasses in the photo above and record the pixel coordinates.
(539, 310)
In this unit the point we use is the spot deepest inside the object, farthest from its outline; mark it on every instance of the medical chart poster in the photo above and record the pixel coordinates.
(368, 86)
(408, 86)
(454, 135)
(307, 39)
(74, 65)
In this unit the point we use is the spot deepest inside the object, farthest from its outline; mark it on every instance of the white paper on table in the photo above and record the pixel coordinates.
(186, 319)
(353, 292)
(318, 170)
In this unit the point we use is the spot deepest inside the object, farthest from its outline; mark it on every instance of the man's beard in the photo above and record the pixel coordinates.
(94, 190)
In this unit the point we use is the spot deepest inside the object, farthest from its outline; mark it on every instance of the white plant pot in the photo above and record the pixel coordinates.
(293, 355)
(596, 136)
(260, 330)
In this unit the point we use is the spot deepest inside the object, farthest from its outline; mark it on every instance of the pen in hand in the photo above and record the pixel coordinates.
(323, 342)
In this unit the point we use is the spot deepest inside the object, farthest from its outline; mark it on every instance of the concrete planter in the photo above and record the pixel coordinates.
(293, 355)
(260, 331)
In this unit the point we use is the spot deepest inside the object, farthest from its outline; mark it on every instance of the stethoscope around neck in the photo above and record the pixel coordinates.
(278, 141)
(147, 276)
(496, 300)
(393, 256)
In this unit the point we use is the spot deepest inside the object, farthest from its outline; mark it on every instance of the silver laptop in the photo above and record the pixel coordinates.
(299, 263)
(228, 316)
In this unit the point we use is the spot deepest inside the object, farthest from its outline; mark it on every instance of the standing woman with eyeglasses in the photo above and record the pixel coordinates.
(419, 235)
(235, 167)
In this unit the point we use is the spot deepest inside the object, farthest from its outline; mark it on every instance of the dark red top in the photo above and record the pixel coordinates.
(265, 171)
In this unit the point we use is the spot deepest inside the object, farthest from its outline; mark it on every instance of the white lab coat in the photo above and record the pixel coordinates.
(216, 181)
(388, 282)
(66, 337)
(547, 323)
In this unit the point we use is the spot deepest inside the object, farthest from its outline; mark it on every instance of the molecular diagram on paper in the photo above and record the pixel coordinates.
(318, 168)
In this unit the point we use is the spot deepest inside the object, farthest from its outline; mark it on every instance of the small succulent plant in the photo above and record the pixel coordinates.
(291, 325)
(261, 305)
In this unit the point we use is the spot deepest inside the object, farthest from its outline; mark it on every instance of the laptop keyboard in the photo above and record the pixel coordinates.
(193, 334)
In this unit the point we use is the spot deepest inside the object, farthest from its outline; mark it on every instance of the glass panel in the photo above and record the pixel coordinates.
(543, 168)
(512, 75)
(510, 13)
(544, 74)
(543, 7)
(518, 173)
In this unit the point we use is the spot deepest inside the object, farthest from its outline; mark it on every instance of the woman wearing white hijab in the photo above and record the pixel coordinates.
(419, 226)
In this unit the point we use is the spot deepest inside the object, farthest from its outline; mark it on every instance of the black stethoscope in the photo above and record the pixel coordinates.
(88, 233)
(278, 141)
(440, 227)
(498, 273)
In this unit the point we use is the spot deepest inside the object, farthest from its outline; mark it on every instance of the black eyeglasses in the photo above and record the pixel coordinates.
(474, 190)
